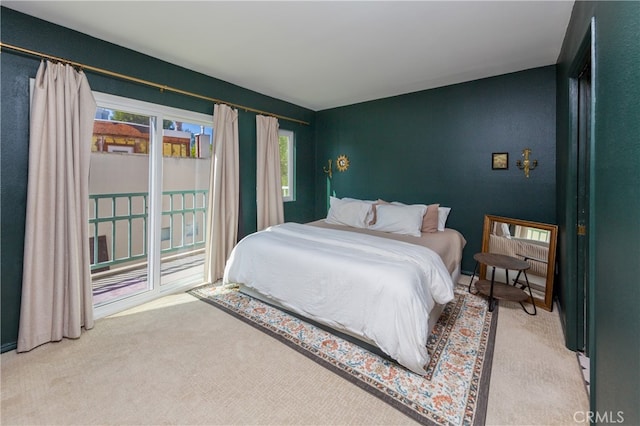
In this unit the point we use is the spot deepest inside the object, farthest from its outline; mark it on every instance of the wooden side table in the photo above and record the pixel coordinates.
(497, 290)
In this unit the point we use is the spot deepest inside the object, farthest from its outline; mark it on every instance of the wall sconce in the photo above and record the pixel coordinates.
(526, 164)
(342, 164)
(329, 169)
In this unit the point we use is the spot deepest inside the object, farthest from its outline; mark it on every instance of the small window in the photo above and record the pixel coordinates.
(287, 164)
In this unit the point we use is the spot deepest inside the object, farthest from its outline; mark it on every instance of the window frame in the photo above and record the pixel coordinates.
(291, 169)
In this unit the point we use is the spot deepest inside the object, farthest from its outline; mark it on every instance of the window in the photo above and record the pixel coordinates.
(538, 235)
(287, 164)
(117, 131)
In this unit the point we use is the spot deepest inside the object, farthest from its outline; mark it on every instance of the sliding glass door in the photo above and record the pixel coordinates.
(118, 200)
(186, 166)
(149, 180)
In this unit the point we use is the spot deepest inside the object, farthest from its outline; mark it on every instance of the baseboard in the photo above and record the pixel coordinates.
(6, 347)
(563, 324)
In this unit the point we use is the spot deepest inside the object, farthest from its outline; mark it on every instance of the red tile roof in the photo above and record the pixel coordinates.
(117, 129)
(122, 129)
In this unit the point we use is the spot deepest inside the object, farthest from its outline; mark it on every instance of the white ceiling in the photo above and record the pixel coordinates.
(321, 55)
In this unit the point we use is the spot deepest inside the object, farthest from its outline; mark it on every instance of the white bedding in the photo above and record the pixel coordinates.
(382, 290)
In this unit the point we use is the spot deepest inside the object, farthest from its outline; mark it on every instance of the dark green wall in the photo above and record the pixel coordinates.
(439, 140)
(614, 202)
(435, 146)
(28, 32)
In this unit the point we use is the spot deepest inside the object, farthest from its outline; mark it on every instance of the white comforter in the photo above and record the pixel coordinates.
(380, 289)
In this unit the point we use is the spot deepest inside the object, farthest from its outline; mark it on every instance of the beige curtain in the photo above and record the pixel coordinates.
(268, 176)
(56, 283)
(224, 192)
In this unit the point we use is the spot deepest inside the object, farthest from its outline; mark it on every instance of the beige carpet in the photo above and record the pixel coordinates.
(535, 379)
(180, 361)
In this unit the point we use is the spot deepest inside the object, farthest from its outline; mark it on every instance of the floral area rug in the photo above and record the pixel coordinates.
(455, 389)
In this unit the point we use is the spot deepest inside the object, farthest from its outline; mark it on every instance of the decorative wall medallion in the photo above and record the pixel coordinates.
(342, 163)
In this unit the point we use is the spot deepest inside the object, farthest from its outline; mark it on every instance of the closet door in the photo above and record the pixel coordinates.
(582, 203)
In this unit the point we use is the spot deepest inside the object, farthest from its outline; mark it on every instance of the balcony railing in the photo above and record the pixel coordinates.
(185, 220)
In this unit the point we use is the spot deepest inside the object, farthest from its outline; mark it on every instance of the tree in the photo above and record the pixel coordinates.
(127, 117)
(284, 160)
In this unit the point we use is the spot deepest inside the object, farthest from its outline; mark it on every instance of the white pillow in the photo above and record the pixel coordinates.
(371, 211)
(348, 212)
(443, 214)
(399, 219)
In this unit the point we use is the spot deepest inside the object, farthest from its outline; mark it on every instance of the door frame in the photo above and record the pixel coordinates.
(157, 112)
(576, 338)
(575, 318)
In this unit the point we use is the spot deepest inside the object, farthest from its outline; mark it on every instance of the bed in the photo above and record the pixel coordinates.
(384, 288)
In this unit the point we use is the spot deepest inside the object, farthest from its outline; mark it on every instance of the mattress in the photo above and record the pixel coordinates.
(379, 289)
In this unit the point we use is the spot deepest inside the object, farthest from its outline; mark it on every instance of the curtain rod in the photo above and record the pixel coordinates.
(162, 87)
